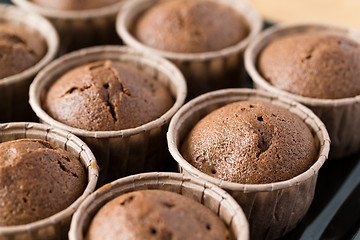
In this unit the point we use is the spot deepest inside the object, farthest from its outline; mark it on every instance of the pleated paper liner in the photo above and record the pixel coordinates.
(124, 152)
(272, 209)
(57, 225)
(14, 89)
(80, 28)
(339, 115)
(203, 71)
(216, 199)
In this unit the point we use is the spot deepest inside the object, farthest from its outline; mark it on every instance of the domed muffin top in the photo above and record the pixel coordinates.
(250, 142)
(156, 214)
(37, 180)
(17, 49)
(313, 64)
(188, 26)
(106, 95)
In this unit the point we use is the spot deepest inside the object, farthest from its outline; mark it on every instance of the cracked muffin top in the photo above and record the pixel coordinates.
(251, 143)
(156, 214)
(37, 180)
(73, 4)
(188, 26)
(18, 50)
(106, 95)
(313, 64)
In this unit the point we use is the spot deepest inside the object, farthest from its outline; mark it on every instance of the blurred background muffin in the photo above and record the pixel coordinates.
(79, 23)
(27, 43)
(313, 64)
(317, 65)
(187, 26)
(205, 39)
(19, 49)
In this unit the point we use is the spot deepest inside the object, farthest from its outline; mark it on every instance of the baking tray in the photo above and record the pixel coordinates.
(335, 211)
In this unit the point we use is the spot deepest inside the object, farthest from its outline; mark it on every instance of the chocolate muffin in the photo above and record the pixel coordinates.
(106, 95)
(188, 26)
(313, 64)
(250, 142)
(73, 4)
(16, 51)
(37, 180)
(156, 214)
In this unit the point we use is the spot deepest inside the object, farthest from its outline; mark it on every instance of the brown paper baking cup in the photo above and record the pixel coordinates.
(203, 71)
(124, 152)
(272, 209)
(216, 199)
(14, 89)
(80, 28)
(57, 225)
(339, 115)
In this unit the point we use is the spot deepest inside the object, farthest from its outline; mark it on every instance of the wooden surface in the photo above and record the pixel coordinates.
(345, 12)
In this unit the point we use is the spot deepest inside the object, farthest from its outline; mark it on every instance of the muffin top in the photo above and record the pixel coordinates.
(37, 180)
(313, 64)
(188, 26)
(17, 49)
(73, 5)
(156, 214)
(106, 95)
(250, 142)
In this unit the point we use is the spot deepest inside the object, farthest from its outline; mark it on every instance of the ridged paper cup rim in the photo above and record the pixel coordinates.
(233, 95)
(44, 28)
(174, 182)
(256, 46)
(133, 8)
(43, 130)
(85, 14)
(98, 53)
